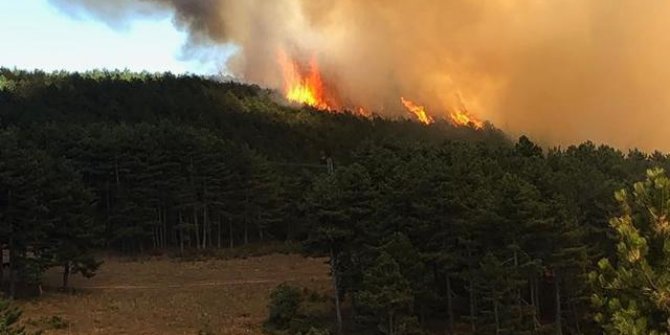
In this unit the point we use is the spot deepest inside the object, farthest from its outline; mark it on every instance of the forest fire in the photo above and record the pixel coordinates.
(463, 118)
(459, 118)
(418, 111)
(303, 86)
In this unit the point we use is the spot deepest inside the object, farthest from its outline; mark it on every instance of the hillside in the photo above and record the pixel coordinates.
(244, 114)
(425, 228)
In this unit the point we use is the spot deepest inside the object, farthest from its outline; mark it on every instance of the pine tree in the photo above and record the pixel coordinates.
(74, 234)
(386, 296)
(634, 295)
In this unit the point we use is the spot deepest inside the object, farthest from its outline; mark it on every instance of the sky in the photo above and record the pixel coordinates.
(35, 35)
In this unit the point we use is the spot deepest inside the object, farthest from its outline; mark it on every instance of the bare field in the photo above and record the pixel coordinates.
(171, 297)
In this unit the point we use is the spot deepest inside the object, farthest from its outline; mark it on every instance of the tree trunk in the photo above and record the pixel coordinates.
(575, 315)
(535, 300)
(218, 235)
(391, 330)
(473, 295)
(246, 232)
(181, 235)
(155, 238)
(165, 230)
(66, 275)
(2, 268)
(154, 231)
(108, 198)
(197, 228)
(260, 227)
(246, 223)
(450, 306)
(289, 230)
(557, 289)
(204, 226)
(159, 228)
(230, 233)
(108, 203)
(516, 269)
(333, 271)
(116, 171)
(496, 316)
(12, 266)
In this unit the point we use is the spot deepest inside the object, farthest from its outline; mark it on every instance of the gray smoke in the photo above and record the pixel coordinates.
(560, 71)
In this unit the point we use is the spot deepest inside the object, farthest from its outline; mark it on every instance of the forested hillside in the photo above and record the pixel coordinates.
(428, 228)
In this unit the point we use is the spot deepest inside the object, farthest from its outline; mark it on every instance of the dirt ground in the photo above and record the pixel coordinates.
(163, 296)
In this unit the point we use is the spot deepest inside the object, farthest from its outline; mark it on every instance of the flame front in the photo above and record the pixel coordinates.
(418, 111)
(463, 118)
(459, 118)
(303, 86)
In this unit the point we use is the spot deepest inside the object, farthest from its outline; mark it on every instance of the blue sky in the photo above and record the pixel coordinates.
(35, 35)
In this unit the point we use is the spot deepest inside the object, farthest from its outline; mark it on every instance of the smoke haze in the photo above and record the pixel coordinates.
(560, 71)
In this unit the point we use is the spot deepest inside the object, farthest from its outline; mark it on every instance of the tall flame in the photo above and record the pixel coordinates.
(418, 111)
(463, 118)
(303, 86)
(459, 118)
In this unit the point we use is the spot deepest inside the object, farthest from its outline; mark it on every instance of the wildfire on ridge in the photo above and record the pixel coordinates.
(463, 118)
(460, 118)
(303, 86)
(418, 111)
(364, 112)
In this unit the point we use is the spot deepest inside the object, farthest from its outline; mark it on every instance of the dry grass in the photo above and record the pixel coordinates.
(170, 297)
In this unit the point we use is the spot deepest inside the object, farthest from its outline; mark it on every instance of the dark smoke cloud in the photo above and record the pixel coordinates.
(561, 71)
(202, 19)
(114, 13)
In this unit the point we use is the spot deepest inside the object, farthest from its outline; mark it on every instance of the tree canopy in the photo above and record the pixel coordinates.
(426, 228)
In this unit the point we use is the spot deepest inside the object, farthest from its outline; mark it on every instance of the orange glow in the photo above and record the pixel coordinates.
(364, 112)
(418, 111)
(303, 86)
(463, 118)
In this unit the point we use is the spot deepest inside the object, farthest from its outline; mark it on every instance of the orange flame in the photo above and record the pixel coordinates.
(364, 112)
(303, 86)
(418, 111)
(459, 118)
(463, 118)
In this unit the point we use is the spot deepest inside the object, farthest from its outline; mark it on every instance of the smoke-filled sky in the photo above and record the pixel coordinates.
(561, 71)
(37, 35)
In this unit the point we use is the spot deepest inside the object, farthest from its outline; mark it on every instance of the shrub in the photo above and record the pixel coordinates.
(9, 319)
(284, 304)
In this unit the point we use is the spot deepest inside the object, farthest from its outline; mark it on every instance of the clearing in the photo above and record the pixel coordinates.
(163, 296)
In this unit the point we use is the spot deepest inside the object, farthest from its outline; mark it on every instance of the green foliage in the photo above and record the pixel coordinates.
(57, 322)
(295, 311)
(9, 319)
(634, 287)
(53, 322)
(386, 297)
(420, 223)
(283, 308)
(45, 209)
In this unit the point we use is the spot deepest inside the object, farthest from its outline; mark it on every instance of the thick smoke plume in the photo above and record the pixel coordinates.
(561, 71)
